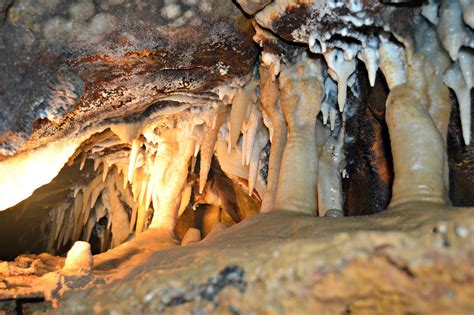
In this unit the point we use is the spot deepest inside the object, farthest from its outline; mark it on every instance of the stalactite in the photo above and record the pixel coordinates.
(340, 69)
(232, 166)
(258, 146)
(120, 222)
(238, 115)
(450, 28)
(370, 56)
(208, 146)
(270, 99)
(455, 80)
(253, 125)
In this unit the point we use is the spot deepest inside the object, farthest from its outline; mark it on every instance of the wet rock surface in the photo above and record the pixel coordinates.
(413, 259)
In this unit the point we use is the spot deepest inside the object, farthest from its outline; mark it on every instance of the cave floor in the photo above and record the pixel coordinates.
(414, 259)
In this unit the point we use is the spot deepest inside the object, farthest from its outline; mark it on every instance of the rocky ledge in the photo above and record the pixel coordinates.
(413, 259)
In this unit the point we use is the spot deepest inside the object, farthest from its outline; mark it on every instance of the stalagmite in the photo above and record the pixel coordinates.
(419, 163)
(329, 176)
(79, 259)
(216, 229)
(340, 69)
(301, 95)
(270, 99)
(170, 185)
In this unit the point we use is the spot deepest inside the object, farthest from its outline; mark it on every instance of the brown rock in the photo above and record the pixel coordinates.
(419, 259)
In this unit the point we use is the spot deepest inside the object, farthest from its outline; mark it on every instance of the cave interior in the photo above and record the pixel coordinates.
(236, 157)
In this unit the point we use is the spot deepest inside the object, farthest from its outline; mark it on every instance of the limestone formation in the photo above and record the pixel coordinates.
(130, 128)
(79, 259)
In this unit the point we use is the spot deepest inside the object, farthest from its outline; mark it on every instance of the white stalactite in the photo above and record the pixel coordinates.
(244, 98)
(451, 29)
(455, 80)
(370, 56)
(340, 69)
